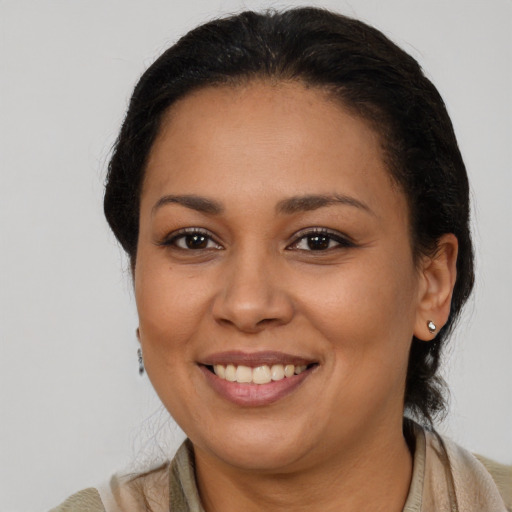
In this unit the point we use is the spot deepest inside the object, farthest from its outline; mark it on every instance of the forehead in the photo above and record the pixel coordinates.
(280, 138)
(268, 111)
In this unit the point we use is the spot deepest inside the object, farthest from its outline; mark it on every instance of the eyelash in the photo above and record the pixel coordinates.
(342, 241)
(182, 234)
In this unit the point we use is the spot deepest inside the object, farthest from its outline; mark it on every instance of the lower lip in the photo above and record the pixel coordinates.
(253, 395)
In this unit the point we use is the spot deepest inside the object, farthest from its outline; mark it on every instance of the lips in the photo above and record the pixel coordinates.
(255, 379)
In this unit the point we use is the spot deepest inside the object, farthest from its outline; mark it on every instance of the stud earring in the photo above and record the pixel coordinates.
(431, 327)
(141, 361)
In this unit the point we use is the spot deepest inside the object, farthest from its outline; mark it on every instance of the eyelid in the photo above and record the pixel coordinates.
(342, 239)
(169, 239)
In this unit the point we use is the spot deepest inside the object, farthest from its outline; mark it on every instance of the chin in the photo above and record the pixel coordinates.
(260, 459)
(255, 449)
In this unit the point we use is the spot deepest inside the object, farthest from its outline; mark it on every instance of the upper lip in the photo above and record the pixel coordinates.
(253, 359)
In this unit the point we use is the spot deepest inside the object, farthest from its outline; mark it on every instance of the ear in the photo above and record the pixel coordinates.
(137, 333)
(437, 279)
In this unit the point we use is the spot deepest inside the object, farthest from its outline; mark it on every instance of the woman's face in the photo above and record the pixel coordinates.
(273, 239)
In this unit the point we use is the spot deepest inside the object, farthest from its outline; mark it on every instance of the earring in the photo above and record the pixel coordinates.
(141, 361)
(431, 326)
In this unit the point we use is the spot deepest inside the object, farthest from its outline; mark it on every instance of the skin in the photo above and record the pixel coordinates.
(335, 442)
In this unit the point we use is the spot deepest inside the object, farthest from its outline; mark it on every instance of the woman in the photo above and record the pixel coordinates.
(290, 193)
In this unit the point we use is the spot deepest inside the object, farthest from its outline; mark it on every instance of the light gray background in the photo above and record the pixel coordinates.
(73, 408)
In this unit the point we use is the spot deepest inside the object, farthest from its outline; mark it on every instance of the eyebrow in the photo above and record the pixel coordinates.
(198, 203)
(314, 201)
(288, 206)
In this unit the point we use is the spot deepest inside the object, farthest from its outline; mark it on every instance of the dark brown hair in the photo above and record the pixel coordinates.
(371, 76)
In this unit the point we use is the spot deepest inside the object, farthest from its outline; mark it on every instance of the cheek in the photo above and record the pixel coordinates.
(170, 305)
(367, 311)
(369, 324)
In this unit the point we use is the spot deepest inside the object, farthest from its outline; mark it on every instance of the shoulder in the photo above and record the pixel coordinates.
(147, 491)
(476, 478)
(502, 476)
(88, 500)
(173, 482)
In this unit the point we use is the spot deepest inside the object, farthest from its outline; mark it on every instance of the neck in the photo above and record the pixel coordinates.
(375, 477)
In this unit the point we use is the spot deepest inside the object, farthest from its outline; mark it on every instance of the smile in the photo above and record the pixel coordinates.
(256, 379)
(258, 375)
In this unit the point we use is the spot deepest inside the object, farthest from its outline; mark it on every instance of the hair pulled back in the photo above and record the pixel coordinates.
(369, 75)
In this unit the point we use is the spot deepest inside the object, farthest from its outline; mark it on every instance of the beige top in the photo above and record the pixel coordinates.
(446, 478)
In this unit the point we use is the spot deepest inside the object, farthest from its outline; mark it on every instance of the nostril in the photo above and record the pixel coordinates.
(248, 324)
(267, 321)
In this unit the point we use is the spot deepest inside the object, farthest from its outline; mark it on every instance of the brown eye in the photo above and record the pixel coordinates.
(197, 241)
(191, 239)
(320, 239)
(318, 242)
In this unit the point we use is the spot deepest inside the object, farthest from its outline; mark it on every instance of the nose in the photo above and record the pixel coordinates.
(252, 297)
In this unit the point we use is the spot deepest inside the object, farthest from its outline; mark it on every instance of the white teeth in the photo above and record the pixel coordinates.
(258, 375)
(244, 374)
(220, 371)
(261, 375)
(277, 372)
(300, 369)
(230, 373)
(289, 370)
